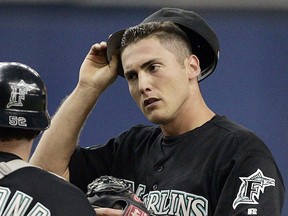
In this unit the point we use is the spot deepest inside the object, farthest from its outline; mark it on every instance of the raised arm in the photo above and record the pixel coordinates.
(59, 141)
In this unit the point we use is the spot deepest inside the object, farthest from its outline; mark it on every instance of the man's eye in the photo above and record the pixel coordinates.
(131, 76)
(153, 67)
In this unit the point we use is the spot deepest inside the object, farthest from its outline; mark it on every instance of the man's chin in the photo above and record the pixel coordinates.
(156, 119)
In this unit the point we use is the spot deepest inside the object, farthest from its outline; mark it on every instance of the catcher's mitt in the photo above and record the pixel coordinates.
(111, 192)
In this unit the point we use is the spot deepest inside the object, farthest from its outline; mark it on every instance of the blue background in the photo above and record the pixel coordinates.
(250, 84)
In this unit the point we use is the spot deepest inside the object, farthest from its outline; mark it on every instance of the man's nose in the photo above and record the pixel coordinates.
(144, 82)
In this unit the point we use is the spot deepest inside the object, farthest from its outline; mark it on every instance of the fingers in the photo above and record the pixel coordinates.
(99, 48)
(95, 70)
(97, 54)
(108, 211)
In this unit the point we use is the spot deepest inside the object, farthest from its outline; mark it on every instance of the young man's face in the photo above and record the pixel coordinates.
(158, 83)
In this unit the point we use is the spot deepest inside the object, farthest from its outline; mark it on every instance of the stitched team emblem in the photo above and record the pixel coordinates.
(251, 187)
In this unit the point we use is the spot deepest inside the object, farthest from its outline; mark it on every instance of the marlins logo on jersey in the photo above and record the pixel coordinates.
(250, 188)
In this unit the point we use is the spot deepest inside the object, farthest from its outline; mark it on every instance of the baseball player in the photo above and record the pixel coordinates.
(26, 189)
(194, 161)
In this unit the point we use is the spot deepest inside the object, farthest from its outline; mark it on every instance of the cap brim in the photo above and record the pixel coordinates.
(113, 48)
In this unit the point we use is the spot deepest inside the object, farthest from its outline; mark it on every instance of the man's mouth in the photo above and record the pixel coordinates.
(149, 101)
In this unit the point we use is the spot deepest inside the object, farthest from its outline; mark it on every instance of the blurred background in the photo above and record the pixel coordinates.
(249, 85)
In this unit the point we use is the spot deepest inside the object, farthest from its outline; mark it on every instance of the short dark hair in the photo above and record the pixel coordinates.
(9, 134)
(169, 35)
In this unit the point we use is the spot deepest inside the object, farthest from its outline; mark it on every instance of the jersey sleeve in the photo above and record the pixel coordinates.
(250, 183)
(89, 163)
(111, 158)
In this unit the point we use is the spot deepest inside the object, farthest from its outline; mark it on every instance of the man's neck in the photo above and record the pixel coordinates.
(18, 147)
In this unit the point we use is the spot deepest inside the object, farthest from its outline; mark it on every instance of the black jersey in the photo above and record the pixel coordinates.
(219, 169)
(33, 192)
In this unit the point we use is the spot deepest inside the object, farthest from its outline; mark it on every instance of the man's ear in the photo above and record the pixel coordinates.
(193, 66)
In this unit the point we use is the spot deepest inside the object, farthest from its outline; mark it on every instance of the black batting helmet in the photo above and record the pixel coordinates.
(23, 97)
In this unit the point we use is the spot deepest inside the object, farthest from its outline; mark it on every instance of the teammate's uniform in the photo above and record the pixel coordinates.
(220, 168)
(33, 192)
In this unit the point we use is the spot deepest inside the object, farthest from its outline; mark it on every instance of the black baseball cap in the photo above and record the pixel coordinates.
(204, 42)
